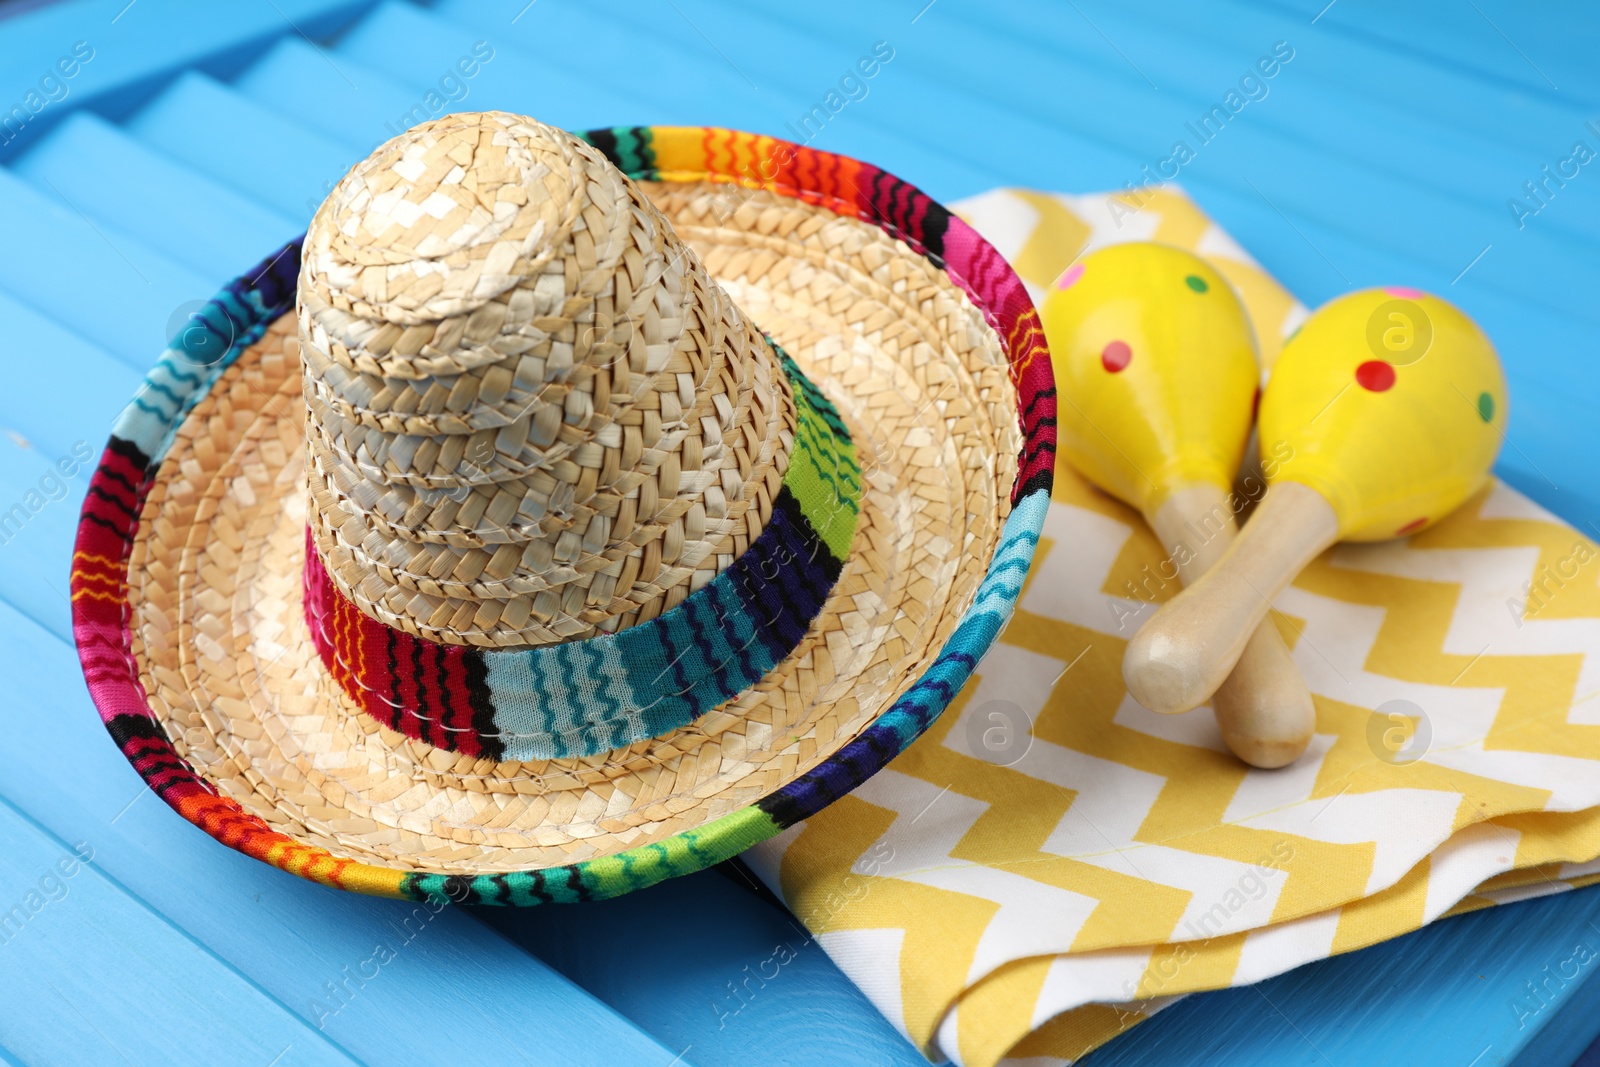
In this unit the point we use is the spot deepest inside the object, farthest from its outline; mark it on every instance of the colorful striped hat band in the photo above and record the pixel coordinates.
(564, 514)
(581, 698)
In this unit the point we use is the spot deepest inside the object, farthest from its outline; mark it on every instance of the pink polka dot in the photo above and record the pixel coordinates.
(1069, 276)
(1375, 376)
(1115, 355)
(1404, 292)
(1413, 526)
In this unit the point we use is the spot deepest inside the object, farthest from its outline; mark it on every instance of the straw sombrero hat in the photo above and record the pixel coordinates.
(482, 545)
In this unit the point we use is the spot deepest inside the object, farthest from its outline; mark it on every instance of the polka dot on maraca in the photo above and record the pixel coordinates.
(1485, 407)
(1115, 355)
(1069, 276)
(1375, 376)
(1197, 283)
(1412, 527)
(1404, 292)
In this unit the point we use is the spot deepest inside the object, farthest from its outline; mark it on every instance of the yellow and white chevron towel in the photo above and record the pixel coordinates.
(1052, 863)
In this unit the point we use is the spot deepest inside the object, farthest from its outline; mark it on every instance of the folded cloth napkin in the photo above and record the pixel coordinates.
(1052, 863)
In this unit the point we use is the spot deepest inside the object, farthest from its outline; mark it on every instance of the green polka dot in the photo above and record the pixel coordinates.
(1486, 407)
(1197, 283)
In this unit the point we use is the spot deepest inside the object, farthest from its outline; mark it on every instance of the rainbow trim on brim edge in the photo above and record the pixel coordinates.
(239, 314)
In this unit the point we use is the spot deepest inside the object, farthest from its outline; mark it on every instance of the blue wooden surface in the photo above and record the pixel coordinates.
(201, 135)
(1525, 993)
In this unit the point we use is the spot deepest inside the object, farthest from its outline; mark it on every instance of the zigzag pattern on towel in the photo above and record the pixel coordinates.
(1114, 831)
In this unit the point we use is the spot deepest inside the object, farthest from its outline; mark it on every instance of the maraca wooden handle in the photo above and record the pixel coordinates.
(1186, 651)
(1263, 708)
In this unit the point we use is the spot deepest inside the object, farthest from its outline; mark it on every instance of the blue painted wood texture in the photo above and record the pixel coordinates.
(1512, 985)
(199, 136)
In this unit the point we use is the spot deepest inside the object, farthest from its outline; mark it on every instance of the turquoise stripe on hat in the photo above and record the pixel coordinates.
(606, 692)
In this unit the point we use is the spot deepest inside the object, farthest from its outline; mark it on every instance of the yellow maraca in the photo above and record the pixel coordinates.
(1382, 415)
(1156, 368)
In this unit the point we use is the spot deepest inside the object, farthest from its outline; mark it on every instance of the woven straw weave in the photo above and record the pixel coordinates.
(532, 416)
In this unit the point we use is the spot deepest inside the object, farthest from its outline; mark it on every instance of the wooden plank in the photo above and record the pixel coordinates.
(1452, 97)
(426, 48)
(245, 146)
(100, 171)
(1498, 42)
(41, 493)
(404, 42)
(737, 991)
(1535, 131)
(1478, 989)
(1301, 104)
(318, 92)
(45, 359)
(113, 289)
(95, 976)
(133, 49)
(653, 47)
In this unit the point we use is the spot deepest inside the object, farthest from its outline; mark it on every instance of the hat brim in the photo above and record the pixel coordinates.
(914, 326)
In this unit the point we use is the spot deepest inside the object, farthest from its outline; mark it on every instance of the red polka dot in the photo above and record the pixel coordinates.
(1375, 375)
(1405, 292)
(1115, 355)
(1413, 526)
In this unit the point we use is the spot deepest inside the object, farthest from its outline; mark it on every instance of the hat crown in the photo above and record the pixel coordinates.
(532, 416)
(491, 194)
